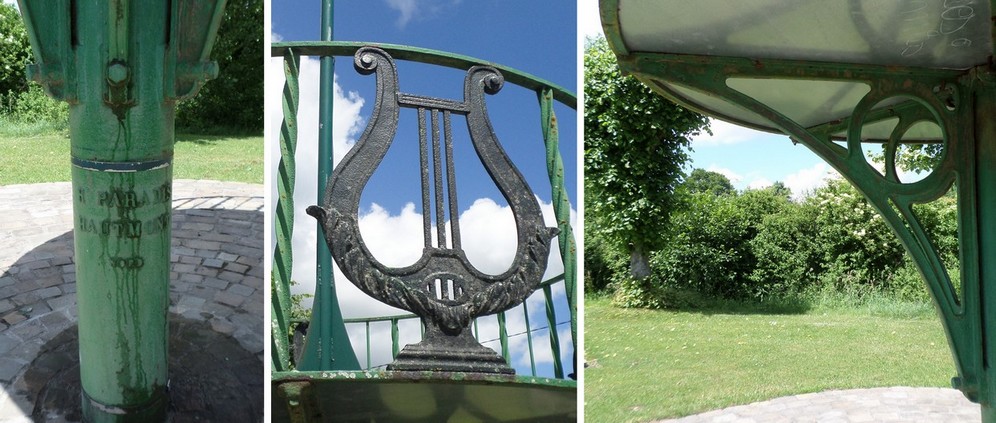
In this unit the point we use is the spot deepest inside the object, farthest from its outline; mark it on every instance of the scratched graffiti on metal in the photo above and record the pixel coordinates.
(442, 287)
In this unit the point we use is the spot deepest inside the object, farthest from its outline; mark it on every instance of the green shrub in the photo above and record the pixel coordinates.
(786, 252)
(853, 239)
(832, 248)
(34, 106)
(709, 250)
(651, 293)
(15, 51)
(906, 284)
(601, 262)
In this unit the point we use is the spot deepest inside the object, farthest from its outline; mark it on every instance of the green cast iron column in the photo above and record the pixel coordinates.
(122, 65)
(328, 346)
(985, 182)
(122, 171)
(323, 272)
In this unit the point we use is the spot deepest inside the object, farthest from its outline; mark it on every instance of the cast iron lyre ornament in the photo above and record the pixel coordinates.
(442, 287)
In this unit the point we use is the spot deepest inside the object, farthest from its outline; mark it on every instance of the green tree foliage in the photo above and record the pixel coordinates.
(23, 102)
(780, 189)
(234, 101)
(34, 106)
(786, 251)
(760, 245)
(15, 52)
(601, 262)
(854, 241)
(709, 248)
(701, 180)
(913, 157)
(635, 145)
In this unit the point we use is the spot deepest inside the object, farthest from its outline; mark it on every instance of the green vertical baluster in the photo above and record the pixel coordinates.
(985, 156)
(561, 203)
(328, 346)
(283, 259)
(529, 337)
(368, 344)
(551, 317)
(394, 338)
(503, 337)
(325, 284)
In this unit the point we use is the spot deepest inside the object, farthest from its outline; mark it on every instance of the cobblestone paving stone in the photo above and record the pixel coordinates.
(878, 405)
(216, 278)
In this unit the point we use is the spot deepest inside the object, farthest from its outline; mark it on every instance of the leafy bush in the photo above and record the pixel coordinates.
(786, 251)
(601, 263)
(832, 248)
(651, 292)
(34, 106)
(852, 239)
(15, 51)
(709, 251)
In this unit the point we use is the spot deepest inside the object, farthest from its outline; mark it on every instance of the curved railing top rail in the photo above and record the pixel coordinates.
(429, 56)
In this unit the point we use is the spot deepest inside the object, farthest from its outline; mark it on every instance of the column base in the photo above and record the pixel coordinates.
(988, 414)
(154, 410)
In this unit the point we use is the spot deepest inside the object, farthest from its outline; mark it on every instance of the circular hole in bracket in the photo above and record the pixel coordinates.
(902, 138)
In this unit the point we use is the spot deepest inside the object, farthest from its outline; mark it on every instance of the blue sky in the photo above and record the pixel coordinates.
(539, 38)
(751, 159)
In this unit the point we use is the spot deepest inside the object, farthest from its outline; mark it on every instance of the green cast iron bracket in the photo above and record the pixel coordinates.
(961, 103)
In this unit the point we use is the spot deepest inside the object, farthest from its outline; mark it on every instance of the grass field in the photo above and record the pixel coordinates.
(646, 365)
(36, 158)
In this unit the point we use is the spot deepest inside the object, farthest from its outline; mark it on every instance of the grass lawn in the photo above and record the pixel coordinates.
(45, 158)
(646, 365)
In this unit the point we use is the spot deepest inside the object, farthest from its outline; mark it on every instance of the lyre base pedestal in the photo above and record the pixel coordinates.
(474, 358)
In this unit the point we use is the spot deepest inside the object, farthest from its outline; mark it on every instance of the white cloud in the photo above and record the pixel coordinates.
(725, 133)
(409, 10)
(489, 240)
(803, 182)
(346, 125)
(276, 38)
(395, 241)
(589, 22)
(734, 177)
(759, 183)
(406, 10)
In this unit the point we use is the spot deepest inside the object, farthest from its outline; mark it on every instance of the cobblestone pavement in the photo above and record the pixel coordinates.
(878, 405)
(216, 279)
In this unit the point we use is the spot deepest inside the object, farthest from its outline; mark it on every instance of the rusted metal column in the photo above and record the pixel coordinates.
(122, 65)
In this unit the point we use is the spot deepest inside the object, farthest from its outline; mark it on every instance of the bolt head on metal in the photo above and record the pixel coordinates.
(117, 73)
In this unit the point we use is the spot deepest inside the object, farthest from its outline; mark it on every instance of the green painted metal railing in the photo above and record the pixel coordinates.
(546, 92)
(283, 260)
(503, 338)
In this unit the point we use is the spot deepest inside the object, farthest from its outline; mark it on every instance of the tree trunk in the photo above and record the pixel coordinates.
(639, 267)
